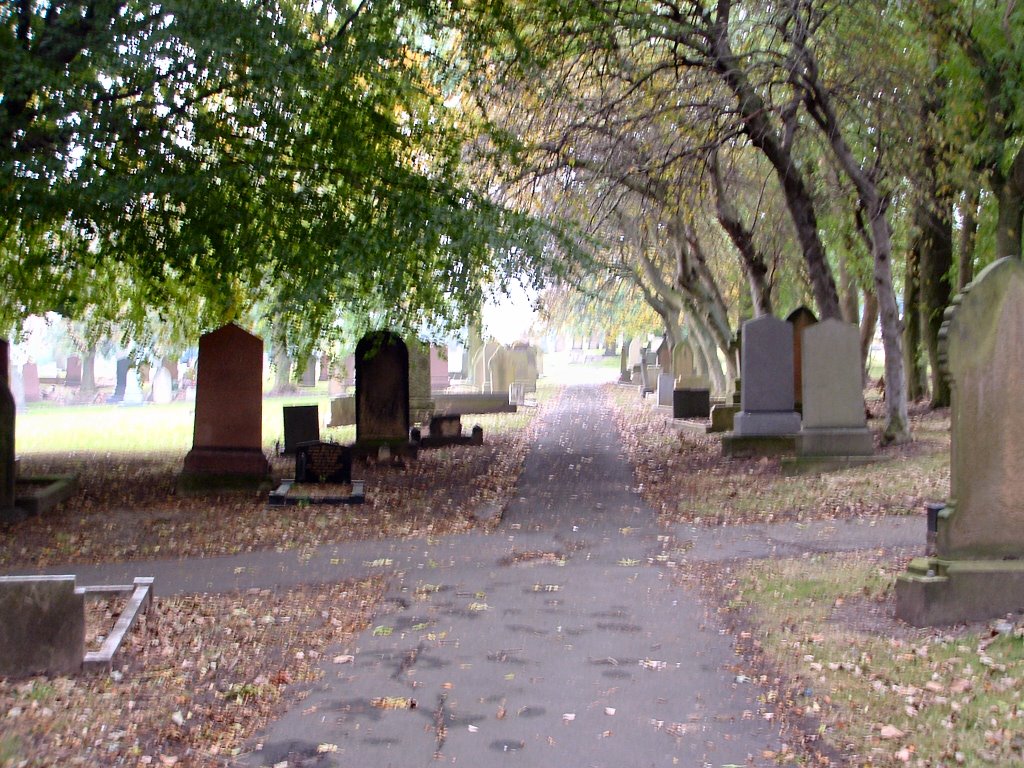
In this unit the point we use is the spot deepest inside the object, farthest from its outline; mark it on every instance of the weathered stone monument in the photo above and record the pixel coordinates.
(163, 387)
(625, 372)
(978, 568)
(308, 378)
(834, 426)
(800, 318)
(132, 388)
(227, 443)
(438, 369)
(30, 382)
(420, 403)
(382, 389)
(43, 631)
(691, 396)
(767, 422)
(522, 360)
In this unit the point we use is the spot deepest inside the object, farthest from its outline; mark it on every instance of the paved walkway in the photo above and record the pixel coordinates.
(557, 640)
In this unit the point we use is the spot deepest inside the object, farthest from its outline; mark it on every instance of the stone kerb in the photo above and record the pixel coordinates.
(382, 389)
(227, 442)
(978, 571)
(834, 423)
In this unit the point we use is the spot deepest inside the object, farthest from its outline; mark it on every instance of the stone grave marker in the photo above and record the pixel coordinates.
(132, 389)
(624, 372)
(767, 423)
(73, 374)
(323, 463)
(663, 353)
(978, 568)
(121, 380)
(325, 368)
(420, 404)
(163, 387)
(301, 425)
(382, 389)
(227, 443)
(18, 388)
(343, 411)
(42, 626)
(635, 353)
(833, 419)
(800, 318)
(691, 397)
(30, 382)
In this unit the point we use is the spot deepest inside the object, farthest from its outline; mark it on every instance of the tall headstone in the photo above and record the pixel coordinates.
(691, 396)
(163, 389)
(523, 361)
(301, 425)
(635, 353)
(132, 388)
(30, 381)
(227, 441)
(978, 568)
(800, 318)
(7, 419)
(833, 419)
(767, 397)
(624, 370)
(420, 404)
(663, 353)
(382, 389)
(73, 374)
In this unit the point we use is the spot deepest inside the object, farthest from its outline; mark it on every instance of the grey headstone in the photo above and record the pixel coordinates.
(42, 625)
(163, 386)
(767, 386)
(132, 389)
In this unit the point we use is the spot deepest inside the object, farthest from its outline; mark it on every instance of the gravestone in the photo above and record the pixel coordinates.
(318, 462)
(343, 411)
(663, 352)
(382, 389)
(132, 389)
(500, 370)
(227, 442)
(30, 382)
(691, 398)
(8, 470)
(163, 387)
(766, 396)
(833, 417)
(325, 368)
(438, 369)
(73, 374)
(522, 358)
(42, 626)
(978, 568)
(18, 389)
(801, 319)
(420, 404)
(625, 375)
(635, 353)
(301, 425)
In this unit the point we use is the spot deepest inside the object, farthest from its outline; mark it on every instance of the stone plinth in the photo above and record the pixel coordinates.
(723, 415)
(979, 546)
(42, 626)
(666, 387)
(227, 442)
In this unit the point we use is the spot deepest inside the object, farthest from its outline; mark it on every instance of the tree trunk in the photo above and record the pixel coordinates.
(1008, 222)
(868, 324)
(968, 238)
(849, 306)
(912, 327)
(754, 114)
(936, 261)
(708, 348)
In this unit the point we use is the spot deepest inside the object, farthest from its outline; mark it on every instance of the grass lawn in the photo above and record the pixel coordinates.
(117, 429)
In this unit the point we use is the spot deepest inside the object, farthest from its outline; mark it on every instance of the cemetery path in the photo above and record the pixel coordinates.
(563, 638)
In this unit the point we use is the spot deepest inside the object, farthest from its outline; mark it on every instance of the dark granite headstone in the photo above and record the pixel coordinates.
(691, 404)
(323, 463)
(301, 425)
(228, 436)
(382, 388)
